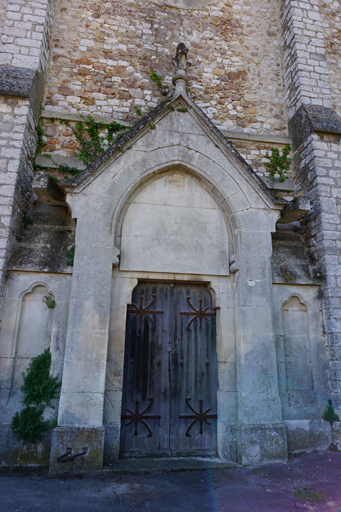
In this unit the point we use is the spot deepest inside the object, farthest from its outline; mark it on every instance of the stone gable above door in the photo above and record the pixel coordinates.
(176, 133)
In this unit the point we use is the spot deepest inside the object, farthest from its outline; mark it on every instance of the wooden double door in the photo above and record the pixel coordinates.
(169, 403)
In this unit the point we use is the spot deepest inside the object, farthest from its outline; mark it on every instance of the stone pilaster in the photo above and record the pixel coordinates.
(315, 131)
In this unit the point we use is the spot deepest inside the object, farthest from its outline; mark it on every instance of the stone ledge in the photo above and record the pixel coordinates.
(312, 118)
(16, 81)
(47, 191)
(23, 82)
(273, 183)
(298, 207)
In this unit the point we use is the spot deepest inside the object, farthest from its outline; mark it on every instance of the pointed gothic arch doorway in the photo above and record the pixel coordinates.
(170, 382)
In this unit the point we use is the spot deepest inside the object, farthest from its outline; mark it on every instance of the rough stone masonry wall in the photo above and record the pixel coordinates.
(3, 4)
(331, 22)
(24, 44)
(319, 164)
(26, 34)
(317, 161)
(304, 60)
(101, 53)
(17, 146)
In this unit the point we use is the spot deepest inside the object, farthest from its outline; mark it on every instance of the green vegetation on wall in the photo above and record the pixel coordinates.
(70, 256)
(278, 163)
(39, 389)
(330, 415)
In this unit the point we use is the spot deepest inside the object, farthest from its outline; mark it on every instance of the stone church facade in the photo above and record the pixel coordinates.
(201, 315)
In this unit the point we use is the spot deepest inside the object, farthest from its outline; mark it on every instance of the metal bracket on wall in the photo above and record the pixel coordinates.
(65, 458)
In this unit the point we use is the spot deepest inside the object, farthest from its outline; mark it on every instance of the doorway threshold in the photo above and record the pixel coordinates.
(144, 465)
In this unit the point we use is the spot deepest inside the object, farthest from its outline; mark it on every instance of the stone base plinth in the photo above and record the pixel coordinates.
(111, 444)
(336, 435)
(227, 441)
(262, 444)
(82, 448)
(15, 453)
(308, 435)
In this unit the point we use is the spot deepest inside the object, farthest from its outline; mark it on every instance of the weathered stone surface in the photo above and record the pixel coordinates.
(16, 453)
(47, 191)
(73, 441)
(111, 444)
(290, 261)
(295, 210)
(16, 81)
(44, 244)
(261, 444)
(308, 435)
(110, 56)
(312, 118)
(336, 434)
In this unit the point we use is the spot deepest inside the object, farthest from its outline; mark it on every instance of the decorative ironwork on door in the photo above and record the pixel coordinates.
(141, 417)
(200, 416)
(140, 311)
(167, 360)
(198, 313)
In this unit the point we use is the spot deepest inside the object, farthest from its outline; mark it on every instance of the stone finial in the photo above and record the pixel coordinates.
(180, 64)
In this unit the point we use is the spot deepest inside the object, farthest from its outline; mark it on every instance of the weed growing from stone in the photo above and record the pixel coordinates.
(39, 389)
(137, 110)
(50, 303)
(278, 163)
(306, 493)
(330, 415)
(54, 179)
(27, 221)
(182, 109)
(70, 256)
(155, 77)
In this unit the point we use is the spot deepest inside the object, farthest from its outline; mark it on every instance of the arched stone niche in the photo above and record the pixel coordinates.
(301, 358)
(185, 4)
(174, 225)
(34, 330)
(296, 345)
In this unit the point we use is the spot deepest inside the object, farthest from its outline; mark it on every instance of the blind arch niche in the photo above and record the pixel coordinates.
(174, 225)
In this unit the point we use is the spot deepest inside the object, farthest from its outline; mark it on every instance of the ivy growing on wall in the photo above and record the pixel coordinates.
(93, 139)
(278, 163)
(155, 77)
(39, 390)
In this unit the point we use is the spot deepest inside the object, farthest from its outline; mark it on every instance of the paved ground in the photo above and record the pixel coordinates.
(262, 489)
